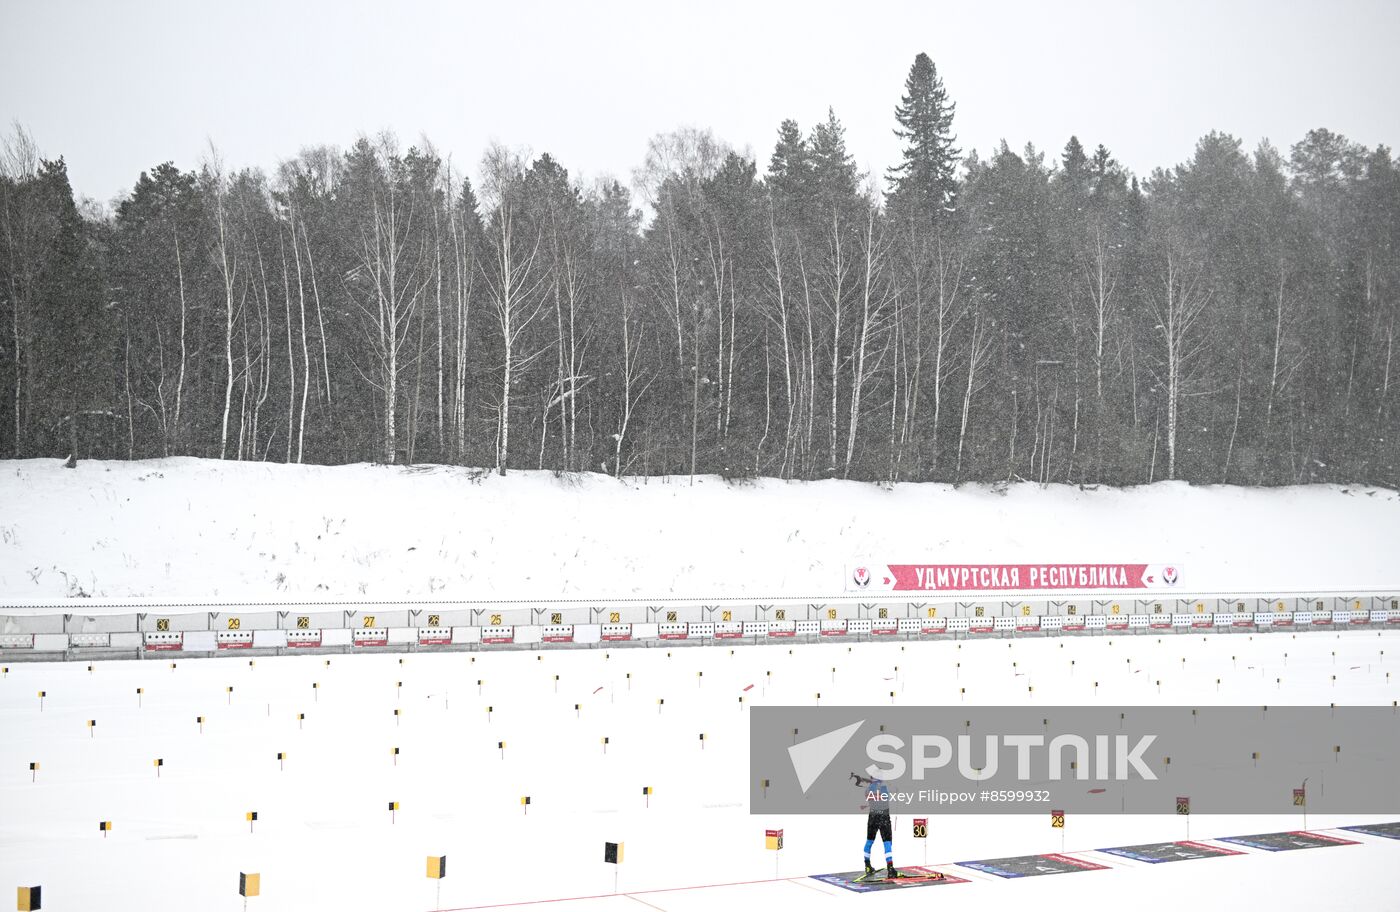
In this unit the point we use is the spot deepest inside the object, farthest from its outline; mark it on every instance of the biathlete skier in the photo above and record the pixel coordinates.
(877, 798)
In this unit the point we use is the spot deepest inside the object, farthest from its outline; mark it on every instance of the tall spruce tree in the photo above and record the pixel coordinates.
(925, 179)
(1074, 168)
(790, 167)
(832, 166)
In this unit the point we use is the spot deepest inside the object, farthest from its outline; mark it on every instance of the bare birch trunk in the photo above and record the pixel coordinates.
(767, 404)
(1235, 426)
(441, 375)
(1389, 348)
(949, 314)
(180, 381)
(126, 380)
(572, 292)
(1278, 349)
(695, 386)
(228, 273)
(291, 358)
(515, 291)
(1177, 316)
(20, 353)
(621, 436)
(1101, 280)
(777, 275)
(243, 415)
(869, 312)
(838, 267)
(305, 348)
(809, 370)
(974, 349)
(630, 361)
(320, 319)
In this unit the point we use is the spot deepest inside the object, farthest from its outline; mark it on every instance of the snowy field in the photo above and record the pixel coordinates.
(325, 839)
(188, 528)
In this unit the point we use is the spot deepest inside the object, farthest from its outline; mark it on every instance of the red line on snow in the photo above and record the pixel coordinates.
(803, 883)
(630, 895)
(1084, 864)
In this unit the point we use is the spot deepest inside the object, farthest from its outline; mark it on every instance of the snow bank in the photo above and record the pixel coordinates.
(202, 529)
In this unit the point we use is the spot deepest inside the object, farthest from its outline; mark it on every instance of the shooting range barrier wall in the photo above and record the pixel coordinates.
(125, 631)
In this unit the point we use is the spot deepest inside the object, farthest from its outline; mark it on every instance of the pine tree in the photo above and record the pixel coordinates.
(833, 169)
(1074, 167)
(790, 167)
(1105, 172)
(926, 179)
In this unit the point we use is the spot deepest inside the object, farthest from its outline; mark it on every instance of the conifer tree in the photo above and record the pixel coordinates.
(832, 166)
(1074, 167)
(790, 167)
(926, 178)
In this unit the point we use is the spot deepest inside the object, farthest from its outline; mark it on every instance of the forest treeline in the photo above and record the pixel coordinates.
(1228, 319)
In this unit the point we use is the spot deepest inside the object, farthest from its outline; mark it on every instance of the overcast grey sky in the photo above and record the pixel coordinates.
(117, 87)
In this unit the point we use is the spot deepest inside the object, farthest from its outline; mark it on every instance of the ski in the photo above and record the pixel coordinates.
(901, 875)
(877, 876)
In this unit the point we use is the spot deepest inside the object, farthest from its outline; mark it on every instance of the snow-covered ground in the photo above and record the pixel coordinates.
(325, 840)
(188, 528)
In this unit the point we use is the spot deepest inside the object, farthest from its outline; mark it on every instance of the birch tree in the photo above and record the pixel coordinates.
(875, 294)
(1178, 306)
(513, 278)
(225, 257)
(464, 228)
(979, 352)
(386, 282)
(26, 234)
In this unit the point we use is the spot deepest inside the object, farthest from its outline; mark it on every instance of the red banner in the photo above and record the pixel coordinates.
(1010, 577)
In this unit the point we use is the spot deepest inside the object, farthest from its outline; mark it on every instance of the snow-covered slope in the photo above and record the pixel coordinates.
(188, 528)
